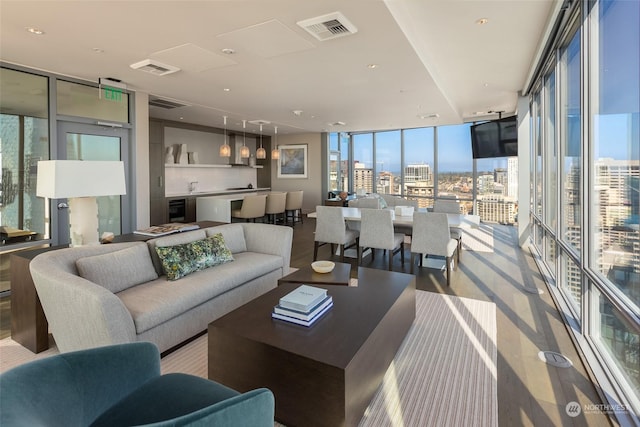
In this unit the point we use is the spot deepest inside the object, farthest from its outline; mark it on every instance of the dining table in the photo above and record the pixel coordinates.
(455, 220)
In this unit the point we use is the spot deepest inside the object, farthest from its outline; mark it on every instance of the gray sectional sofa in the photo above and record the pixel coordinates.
(120, 293)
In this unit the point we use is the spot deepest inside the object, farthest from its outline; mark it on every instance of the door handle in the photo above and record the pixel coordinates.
(63, 205)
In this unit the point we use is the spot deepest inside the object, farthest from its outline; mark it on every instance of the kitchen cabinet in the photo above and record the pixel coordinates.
(156, 173)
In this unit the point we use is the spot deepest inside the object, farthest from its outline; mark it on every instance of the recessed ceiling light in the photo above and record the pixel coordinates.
(97, 50)
(485, 84)
(372, 66)
(226, 89)
(228, 51)
(35, 31)
(482, 21)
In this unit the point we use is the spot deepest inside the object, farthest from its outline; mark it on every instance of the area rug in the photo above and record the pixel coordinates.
(444, 374)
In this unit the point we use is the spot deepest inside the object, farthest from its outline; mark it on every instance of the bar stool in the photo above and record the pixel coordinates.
(276, 204)
(293, 206)
(253, 207)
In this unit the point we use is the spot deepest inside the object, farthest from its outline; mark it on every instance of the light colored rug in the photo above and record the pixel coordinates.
(444, 374)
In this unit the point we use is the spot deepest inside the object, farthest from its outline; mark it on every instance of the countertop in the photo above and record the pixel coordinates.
(217, 192)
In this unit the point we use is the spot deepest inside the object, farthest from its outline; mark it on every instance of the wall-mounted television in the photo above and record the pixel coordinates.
(496, 138)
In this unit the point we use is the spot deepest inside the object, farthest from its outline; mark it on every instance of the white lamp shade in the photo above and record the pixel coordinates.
(60, 179)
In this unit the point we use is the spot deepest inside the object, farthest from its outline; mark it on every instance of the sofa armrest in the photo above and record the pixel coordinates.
(270, 239)
(255, 408)
(81, 314)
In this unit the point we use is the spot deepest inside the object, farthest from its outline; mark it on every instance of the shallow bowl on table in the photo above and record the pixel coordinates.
(323, 266)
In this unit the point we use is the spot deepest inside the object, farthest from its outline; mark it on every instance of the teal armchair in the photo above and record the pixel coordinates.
(121, 385)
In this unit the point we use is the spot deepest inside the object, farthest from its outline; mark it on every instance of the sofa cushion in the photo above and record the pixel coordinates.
(117, 271)
(233, 236)
(171, 240)
(180, 260)
(159, 301)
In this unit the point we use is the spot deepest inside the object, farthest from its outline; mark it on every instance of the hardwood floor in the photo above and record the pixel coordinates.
(530, 392)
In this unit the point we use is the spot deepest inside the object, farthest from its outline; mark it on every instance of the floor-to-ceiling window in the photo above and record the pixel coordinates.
(585, 161)
(363, 171)
(427, 163)
(24, 140)
(455, 165)
(388, 162)
(418, 166)
(614, 206)
(570, 220)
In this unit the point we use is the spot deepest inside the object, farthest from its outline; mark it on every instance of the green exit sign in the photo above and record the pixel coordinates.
(112, 93)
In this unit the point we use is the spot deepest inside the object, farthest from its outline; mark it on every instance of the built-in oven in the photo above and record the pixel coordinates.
(177, 210)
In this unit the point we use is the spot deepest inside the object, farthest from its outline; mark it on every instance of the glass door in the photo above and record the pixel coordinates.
(91, 142)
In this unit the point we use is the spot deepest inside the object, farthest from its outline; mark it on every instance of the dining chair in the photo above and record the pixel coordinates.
(431, 236)
(293, 206)
(452, 207)
(331, 229)
(276, 206)
(253, 207)
(376, 232)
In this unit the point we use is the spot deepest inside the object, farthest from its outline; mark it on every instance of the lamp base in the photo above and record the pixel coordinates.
(83, 221)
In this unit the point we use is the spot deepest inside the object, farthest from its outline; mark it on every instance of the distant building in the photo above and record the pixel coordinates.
(512, 177)
(362, 177)
(497, 208)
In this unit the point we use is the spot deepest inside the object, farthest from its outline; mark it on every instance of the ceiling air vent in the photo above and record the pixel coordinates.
(328, 26)
(165, 103)
(154, 67)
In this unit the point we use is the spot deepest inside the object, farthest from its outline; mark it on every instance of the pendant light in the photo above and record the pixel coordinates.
(244, 151)
(225, 149)
(275, 153)
(261, 153)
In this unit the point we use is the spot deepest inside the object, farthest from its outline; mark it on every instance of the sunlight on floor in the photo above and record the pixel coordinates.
(485, 357)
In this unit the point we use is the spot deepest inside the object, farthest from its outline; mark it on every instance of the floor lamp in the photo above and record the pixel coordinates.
(81, 181)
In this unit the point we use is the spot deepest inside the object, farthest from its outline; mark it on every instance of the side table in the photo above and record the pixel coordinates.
(29, 326)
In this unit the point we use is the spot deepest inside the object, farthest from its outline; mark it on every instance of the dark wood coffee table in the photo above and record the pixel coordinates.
(324, 375)
(340, 275)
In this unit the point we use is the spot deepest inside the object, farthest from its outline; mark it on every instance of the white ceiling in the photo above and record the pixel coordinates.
(431, 56)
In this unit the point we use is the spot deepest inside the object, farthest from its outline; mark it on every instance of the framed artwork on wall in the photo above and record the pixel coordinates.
(293, 161)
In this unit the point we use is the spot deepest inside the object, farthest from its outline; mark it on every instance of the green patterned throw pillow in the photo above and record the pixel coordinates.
(180, 260)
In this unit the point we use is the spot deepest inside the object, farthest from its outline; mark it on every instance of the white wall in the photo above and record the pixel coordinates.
(312, 186)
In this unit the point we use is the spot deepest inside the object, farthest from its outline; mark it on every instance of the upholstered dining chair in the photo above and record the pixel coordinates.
(293, 206)
(121, 385)
(376, 232)
(452, 207)
(253, 206)
(276, 206)
(331, 229)
(431, 236)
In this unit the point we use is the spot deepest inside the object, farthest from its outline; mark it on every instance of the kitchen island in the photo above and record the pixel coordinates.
(218, 208)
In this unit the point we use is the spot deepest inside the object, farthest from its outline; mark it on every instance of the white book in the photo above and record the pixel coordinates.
(302, 315)
(300, 321)
(303, 298)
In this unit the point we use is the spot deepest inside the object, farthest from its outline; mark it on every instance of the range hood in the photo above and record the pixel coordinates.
(235, 142)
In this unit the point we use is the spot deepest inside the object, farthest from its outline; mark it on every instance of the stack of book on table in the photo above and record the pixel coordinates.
(303, 306)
